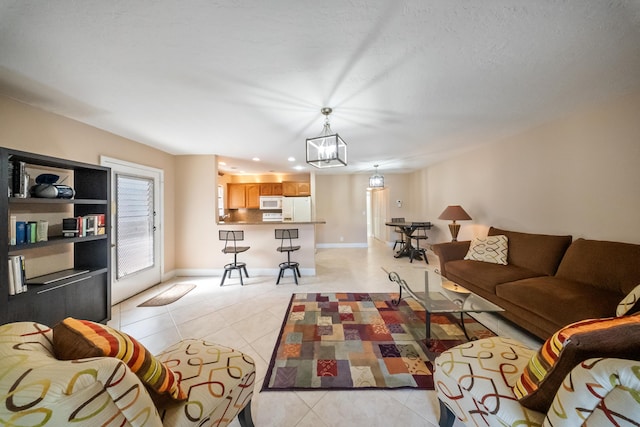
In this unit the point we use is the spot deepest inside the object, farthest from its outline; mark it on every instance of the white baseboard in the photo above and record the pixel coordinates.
(341, 245)
(258, 272)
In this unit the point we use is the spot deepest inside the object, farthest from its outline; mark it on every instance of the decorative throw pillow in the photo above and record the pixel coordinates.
(78, 339)
(630, 303)
(617, 337)
(491, 249)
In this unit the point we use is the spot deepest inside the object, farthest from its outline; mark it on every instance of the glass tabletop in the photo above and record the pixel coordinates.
(436, 293)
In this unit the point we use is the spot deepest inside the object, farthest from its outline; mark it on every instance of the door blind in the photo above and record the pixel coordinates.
(134, 224)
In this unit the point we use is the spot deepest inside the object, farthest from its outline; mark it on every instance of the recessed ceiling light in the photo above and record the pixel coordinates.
(256, 159)
(222, 164)
(298, 167)
(292, 159)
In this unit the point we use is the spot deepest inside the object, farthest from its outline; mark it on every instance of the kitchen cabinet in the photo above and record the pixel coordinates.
(253, 196)
(243, 196)
(236, 196)
(78, 287)
(296, 188)
(271, 189)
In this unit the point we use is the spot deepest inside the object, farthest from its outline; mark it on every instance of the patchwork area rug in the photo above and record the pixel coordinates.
(170, 295)
(345, 341)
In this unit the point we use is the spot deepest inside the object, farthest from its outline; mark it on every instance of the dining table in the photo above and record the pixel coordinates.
(408, 228)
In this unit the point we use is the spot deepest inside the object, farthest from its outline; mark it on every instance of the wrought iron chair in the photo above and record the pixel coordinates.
(400, 232)
(286, 235)
(231, 237)
(418, 235)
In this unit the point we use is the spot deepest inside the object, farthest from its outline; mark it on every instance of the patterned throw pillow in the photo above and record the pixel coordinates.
(491, 249)
(79, 339)
(617, 337)
(630, 303)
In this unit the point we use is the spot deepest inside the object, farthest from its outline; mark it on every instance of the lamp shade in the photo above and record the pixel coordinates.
(454, 213)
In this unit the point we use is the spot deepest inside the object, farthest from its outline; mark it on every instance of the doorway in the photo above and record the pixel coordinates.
(136, 218)
(377, 213)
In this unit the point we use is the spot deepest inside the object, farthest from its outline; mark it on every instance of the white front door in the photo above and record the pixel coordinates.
(137, 234)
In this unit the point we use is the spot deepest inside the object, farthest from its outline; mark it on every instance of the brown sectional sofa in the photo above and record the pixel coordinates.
(549, 281)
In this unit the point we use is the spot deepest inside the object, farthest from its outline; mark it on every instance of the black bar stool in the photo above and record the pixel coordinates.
(419, 234)
(286, 245)
(230, 238)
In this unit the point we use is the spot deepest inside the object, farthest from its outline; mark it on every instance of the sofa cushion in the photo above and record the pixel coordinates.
(630, 303)
(541, 253)
(549, 297)
(477, 274)
(607, 265)
(79, 339)
(617, 337)
(492, 249)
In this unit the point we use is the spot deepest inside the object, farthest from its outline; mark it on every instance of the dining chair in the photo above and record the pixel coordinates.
(286, 236)
(231, 237)
(419, 234)
(400, 237)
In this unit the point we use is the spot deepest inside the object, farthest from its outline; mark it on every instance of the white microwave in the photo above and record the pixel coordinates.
(270, 202)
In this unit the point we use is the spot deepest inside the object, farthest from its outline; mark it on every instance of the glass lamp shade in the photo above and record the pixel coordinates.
(326, 151)
(376, 181)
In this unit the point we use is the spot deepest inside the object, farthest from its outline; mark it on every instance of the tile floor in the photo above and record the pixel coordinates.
(249, 317)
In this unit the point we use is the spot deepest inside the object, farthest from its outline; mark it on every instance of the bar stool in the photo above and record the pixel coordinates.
(419, 234)
(285, 235)
(230, 238)
(400, 232)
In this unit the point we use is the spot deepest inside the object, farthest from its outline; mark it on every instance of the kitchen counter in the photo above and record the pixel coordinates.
(319, 221)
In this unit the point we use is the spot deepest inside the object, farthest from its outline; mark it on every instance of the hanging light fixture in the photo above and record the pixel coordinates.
(327, 150)
(376, 180)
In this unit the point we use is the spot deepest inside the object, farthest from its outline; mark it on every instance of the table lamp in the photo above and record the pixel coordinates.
(454, 213)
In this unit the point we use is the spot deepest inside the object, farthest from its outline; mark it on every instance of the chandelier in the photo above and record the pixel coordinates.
(327, 150)
(376, 180)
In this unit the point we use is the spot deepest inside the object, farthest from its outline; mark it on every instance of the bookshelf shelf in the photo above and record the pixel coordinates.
(86, 295)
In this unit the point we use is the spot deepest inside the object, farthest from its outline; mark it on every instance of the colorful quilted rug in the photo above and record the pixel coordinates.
(360, 340)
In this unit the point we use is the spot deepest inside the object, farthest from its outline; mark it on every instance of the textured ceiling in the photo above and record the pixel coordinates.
(410, 82)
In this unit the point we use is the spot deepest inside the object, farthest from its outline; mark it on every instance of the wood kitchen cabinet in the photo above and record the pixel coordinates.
(271, 189)
(243, 196)
(236, 196)
(296, 189)
(252, 196)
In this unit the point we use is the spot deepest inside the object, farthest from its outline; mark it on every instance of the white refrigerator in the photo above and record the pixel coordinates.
(296, 209)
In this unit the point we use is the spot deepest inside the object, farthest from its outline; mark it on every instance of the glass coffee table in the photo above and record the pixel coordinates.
(437, 294)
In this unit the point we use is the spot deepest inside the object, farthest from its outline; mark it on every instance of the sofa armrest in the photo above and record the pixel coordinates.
(450, 251)
(598, 392)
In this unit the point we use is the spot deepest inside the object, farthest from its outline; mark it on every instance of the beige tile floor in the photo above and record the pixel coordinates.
(249, 317)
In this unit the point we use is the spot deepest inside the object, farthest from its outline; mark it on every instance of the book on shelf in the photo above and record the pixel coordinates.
(82, 226)
(21, 232)
(19, 180)
(12, 230)
(17, 279)
(42, 231)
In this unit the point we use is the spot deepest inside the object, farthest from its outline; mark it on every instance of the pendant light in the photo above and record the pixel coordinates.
(327, 150)
(376, 180)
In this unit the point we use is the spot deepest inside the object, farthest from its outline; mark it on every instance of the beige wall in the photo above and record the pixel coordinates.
(579, 175)
(29, 129)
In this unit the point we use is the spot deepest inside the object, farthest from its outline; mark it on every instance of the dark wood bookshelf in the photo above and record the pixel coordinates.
(85, 296)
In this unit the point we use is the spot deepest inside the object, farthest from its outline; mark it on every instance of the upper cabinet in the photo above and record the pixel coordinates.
(271, 189)
(296, 189)
(243, 196)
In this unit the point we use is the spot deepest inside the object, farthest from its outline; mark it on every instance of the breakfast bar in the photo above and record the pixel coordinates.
(262, 258)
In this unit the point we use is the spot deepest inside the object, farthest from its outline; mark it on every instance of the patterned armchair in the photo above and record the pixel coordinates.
(475, 383)
(39, 390)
